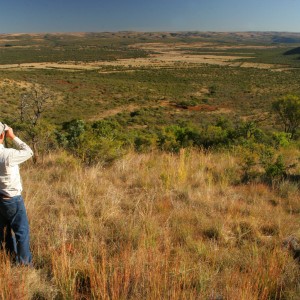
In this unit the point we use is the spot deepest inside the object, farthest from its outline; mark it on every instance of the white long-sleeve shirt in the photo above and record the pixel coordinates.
(10, 158)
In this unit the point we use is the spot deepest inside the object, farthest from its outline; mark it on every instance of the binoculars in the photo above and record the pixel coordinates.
(3, 128)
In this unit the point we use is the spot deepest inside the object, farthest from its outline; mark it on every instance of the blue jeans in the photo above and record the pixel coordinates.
(13, 217)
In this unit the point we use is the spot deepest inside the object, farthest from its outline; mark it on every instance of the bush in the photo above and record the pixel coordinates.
(260, 162)
(275, 170)
(281, 139)
(172, 138)
(288, 112)
(101, 141)
(213, 136)
(145, 142)
(73, 131)
(93, 150)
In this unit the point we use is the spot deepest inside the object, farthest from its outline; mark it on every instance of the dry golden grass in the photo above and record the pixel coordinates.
(154, 226)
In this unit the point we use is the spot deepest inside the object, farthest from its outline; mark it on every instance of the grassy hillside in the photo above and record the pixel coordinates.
(155, 226)
(163, 172)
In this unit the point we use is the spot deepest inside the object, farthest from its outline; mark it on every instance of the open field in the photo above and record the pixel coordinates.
(107, 71)
(162, 55)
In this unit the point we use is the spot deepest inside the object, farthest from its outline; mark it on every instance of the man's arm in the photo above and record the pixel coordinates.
(23, 151)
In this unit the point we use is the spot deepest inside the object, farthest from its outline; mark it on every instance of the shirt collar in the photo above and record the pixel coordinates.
(1, 146)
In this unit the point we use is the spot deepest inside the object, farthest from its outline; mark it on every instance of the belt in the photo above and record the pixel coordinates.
(4, 197)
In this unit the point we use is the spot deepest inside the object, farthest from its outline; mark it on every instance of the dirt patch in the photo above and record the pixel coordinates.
(22, 47)
(114, 111)
(256, 65)
(209, 109)
(246, 47)
(20, 84)
(8, 40)
(203, 107)
(221, 110)
(44, 65)
(200, 107)
(203, 45)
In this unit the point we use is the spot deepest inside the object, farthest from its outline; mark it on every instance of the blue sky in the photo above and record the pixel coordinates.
(150, 15)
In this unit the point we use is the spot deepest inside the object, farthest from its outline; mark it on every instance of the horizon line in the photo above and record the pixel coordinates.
(153, 31)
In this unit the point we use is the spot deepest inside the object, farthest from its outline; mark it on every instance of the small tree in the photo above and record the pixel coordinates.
(288, 112)
(33, 103)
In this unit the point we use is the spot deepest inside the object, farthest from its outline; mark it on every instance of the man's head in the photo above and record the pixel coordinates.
(3, 128)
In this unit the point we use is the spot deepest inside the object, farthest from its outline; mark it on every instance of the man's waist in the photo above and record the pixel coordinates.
(3, 197)
(10, 188)
(6, 195)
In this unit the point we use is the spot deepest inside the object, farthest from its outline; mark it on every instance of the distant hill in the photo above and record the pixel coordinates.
(285, 39)
(293, 51)
(225, 37)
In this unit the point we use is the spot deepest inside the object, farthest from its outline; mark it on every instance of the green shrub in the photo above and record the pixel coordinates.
(287, 110)
(93, 150)
(145, 142)
(260, 162)
(275, 170)
(281, 139)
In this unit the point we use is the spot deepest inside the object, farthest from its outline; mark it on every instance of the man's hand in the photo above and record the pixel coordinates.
(9, 133)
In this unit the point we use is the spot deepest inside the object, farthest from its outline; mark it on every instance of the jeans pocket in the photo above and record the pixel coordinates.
(9, 208)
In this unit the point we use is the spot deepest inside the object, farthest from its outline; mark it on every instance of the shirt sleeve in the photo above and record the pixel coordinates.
(21, 154)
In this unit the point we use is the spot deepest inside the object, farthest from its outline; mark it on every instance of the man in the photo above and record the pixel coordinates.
(13, 215)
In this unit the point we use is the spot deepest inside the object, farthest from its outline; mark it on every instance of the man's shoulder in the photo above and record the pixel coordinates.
(7, 150)
(6, 154)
